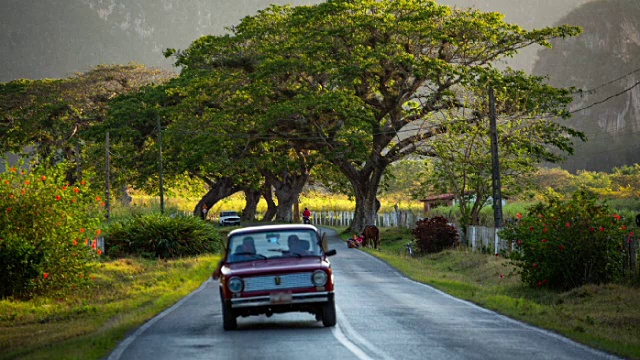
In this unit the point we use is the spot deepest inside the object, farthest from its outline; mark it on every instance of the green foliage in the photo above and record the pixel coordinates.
(434, 235)
(45, 229)
(565, 244)
(159, 236)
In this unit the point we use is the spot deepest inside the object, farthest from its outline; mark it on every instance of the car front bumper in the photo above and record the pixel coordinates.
(296, 299)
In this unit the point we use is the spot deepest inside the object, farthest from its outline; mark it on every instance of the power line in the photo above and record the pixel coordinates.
(593, 90)
(606, 99)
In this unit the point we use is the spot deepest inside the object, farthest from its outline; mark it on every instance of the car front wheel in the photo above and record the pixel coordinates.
(229, 321)
(329, 314)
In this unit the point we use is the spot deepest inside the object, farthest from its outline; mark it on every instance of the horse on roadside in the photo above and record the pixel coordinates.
(371, 236)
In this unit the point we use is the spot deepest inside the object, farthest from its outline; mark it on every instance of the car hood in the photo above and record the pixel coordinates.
(284, 265)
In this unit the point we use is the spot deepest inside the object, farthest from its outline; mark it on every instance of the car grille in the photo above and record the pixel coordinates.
(288, 281)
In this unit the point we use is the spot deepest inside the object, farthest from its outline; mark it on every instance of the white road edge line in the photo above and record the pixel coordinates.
(117, 353)
(559, 337)
(357, 351)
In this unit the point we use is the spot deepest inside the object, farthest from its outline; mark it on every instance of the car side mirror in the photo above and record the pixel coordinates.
(330, 252)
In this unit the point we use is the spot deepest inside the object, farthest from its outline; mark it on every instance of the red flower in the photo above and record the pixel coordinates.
(98, 231)
(43, 178)
(58, 198)
(98, 198)
(539, 283)
(540, 216)
(545, 230)
(76, 190)
(45, 275)
(560, 247)
(81, 230)
(623, 227)
(535, 265)
(10, 196)
(13, 169)
(6, 182)
(531, 228)
(102, 204)
(64, 188)
(568, 224)
(601, 229)
(616, 216)
(23, 191)
(27, 182)
(544, 240)
(631, 233)
(99, 252)
(592, 229)
(8, 209)
(519, 242)
(75, 241)
(501, 276)
(518, 216)
(94, 244)
(82, 182)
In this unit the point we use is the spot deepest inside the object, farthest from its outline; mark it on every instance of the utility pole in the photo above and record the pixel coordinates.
(108, 175)
(160, 165)
(497, 193)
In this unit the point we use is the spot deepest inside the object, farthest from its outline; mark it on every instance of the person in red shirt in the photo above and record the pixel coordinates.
(306, 215)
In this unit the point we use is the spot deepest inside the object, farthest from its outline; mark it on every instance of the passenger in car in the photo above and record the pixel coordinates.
(246, 251)
(298, 246)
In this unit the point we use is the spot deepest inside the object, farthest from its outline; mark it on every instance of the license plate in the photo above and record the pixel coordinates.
(281, 297)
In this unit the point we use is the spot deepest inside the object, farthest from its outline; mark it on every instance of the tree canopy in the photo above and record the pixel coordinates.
(362, 82)
(355, 85)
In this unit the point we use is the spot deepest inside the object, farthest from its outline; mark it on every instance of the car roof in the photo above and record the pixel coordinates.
(268, 228)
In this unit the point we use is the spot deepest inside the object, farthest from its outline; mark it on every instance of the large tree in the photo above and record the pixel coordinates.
(52, 117)
(463, 160)
(365, 78)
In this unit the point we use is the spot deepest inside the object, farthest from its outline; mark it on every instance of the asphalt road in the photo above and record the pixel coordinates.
(381, 315)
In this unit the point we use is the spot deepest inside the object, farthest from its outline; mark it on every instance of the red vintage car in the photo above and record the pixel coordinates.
(276, 269)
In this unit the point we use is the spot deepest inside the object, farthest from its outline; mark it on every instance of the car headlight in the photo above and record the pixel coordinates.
(319, 278)
(235, 285)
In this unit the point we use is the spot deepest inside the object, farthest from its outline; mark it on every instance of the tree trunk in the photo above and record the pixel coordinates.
(367, 205)
(125, 199)
(218, 190)
(272, 208)
(287, 192)
(252, 197)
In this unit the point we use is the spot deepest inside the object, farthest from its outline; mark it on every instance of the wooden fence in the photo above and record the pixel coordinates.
(405, 219)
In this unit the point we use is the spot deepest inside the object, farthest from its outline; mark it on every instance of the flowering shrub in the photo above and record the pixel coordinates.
(434, 235)
(565, 244)
(45, 227)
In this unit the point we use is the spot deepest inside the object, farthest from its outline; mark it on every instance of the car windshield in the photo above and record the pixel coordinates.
(229, 213)
(273, 244)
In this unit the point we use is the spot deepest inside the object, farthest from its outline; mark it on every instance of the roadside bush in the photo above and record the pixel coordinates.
(566, 244)
(434, 235)
(46, 229)
(160, 236)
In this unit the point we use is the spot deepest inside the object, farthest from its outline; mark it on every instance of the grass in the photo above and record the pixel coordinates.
(606, 317)
(89, 323)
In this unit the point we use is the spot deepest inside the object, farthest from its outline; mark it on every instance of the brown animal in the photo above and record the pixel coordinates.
(372, 233)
